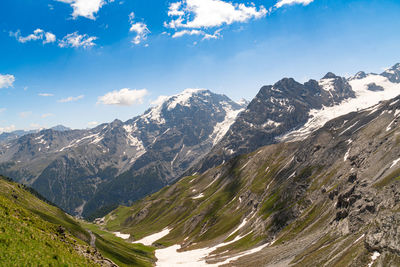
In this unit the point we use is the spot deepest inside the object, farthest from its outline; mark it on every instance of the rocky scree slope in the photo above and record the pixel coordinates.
(331, 199)
(85, 170)
(289, 110)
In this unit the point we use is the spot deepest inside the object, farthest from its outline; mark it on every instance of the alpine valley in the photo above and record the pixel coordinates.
(306, 174)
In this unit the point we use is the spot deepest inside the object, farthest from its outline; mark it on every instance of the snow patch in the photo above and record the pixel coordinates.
(364, 99)
(221, 128)
(170, 257)
(346, 155)
(123, 236)
(395, 162)
(198, 196)
(148, 240)
(374, 257)
(183, 98)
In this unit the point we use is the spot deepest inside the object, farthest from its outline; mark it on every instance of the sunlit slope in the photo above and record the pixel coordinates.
(33, 233)
(331, 199)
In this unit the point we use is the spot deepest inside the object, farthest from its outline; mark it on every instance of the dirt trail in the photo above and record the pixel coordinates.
(92, 239)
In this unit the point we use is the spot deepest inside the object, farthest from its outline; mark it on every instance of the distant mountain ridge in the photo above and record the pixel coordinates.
(118, 162)
(84, 171)
(9, 136)
(289, 110)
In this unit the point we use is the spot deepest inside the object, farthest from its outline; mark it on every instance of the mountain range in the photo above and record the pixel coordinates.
(119, 162)
(331, 199)
(90, 172)
(305, 174)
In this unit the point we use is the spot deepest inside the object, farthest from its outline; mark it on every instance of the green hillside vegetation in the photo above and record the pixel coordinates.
(33, 232)
(26, 239)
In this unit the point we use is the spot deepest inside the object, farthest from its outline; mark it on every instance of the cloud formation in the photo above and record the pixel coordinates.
(6, 80)
(123, 97)
(206, 36)
(139, 28)
(38, 34)
(71, 99)
(92, 123)
(45, 94)
(211, 13)
(85, 8)
(292, 2)
(7, 129)
(76, 40)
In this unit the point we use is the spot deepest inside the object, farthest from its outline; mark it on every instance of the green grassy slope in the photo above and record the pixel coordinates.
(27, 239)
(34, 232)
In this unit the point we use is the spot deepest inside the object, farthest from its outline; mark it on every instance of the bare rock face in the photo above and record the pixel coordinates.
(276, 110)
(385, 234)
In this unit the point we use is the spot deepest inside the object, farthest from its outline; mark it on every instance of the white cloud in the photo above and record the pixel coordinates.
(198, 14)
(25, 114)
(71, 99)
(92, 123)
(45, 94)
(77, 40)
(6, 80)
(37, 34)
(2, 110)
(85, 8)
(123, 97)
(160, 99)
(292, 2)
(35, 126)
(7, 129)
(206, 36)
(139, 28)
(187, 32)
(46, 115)
(49, 38)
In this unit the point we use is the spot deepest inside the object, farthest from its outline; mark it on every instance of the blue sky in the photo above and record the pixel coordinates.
(78, 62)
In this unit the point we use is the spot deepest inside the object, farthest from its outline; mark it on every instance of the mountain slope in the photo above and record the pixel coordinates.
(34, 232)
(84, 170)
(290, 110)
(331, 199)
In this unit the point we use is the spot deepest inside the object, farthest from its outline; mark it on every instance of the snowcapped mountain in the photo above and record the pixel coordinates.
(289, 110)
(332, 199)
(118, 162)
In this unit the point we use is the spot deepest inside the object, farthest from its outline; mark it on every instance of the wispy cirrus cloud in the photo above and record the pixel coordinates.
(123, 97)
(6, 80)
(71, 99)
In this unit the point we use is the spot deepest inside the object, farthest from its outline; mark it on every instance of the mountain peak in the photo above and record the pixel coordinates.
(330, 75)
(243, 102)
(393, 73)
(60, 128)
